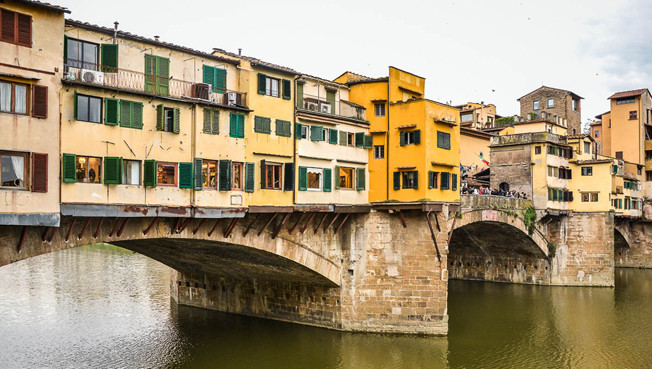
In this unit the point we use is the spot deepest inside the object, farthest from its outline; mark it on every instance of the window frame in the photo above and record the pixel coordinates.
(442, 136)
(124, 172)
(240, 177)
(408, 177)
(81, 63)
(269, 84)
(320, 172)
(26, 170)
(633, 115)
(536, 105)
(550, 103)
(28, 97)
(17, 15)
(304, 131)
(206, 169)
(99, 171)
(379, 151)
(168, 119)
(587, 171)
(378, 113)
(176, 173)
(89, 97)
(350, 139)
(352, 176)
(537, 150)
(273, 169)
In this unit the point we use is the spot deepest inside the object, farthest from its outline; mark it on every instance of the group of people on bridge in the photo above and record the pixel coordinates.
(484, 190)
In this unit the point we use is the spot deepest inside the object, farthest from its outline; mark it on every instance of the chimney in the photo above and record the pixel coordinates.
(115, 32)
(239, 51)
(156, 38)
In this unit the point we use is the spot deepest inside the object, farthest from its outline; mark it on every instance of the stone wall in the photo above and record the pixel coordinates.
(512, 166)
(563, 106)
(633, 244)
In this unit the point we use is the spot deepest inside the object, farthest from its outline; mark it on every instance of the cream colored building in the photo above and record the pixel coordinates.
(31, 51)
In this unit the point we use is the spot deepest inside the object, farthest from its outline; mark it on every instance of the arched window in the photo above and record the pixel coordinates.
(504, 186)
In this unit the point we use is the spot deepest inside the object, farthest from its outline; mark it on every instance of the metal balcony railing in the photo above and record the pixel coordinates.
(338, 107)
(140, 82)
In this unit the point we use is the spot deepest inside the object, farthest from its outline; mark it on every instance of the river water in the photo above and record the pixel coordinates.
(105, 307)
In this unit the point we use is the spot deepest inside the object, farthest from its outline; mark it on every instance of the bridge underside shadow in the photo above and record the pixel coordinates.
(496, 251)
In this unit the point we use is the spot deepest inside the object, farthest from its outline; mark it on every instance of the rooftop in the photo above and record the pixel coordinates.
(631, 93)
(551, 88)
(44, 5)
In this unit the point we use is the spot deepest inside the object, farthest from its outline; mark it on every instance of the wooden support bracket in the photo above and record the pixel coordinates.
(305, 226)
(176, 226)
(266, 224)
(115, 227)
(250, 225)
(331, 222)
(184, 225)
(303, 215)
(437, 222)
(150, 226)
(53, 232)
(346, 217)
(81, 234)
(74, 220)
(278, 229)
(46, 233)
(210, 233)
(22, 240)
(201, 223)
(231, 226)
(320, 223)
(99, 227)
(432, 234)
(122, 228)
(400, 215)
(450, 234)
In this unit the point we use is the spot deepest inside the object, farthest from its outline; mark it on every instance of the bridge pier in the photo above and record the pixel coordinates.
(633, 244)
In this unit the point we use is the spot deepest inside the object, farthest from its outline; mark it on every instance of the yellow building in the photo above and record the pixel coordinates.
(149, 123)
(477, 116)
(419, 138)
(474, 146)
(536, 125)
(332, 145)
(31, 51)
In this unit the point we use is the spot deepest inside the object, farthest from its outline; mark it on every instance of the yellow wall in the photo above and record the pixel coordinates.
(627, 135)
(471, 145)
(24, 133)
(539, 126)
(599, 182)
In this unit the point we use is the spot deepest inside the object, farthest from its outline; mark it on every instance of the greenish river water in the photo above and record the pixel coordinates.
(104, 307)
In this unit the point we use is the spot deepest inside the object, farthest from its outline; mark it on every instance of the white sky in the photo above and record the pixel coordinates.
(491, 51)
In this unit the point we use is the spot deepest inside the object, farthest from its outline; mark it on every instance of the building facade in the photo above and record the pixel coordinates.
(477, 115)
(555, 102)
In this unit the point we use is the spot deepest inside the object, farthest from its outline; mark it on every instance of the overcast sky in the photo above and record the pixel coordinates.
(491, 51)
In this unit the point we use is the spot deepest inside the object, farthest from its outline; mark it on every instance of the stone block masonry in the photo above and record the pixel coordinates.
(633, 244)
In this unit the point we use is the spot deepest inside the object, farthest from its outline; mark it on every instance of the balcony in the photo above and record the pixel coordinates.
(129, 80)
(341, 108)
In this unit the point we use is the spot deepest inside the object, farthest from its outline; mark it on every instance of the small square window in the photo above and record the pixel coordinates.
(346, 178)
(89, 169)
(379, 110)
(537, 150)
(379, 152)
(551, 102)
(633, 115)
(587, 171)
(166, 174)
(535, 105)
(314, 179)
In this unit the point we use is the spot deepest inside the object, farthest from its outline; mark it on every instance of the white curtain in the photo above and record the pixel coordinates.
(18, 162)
(135, 173)
(5, 96)
(21, 99)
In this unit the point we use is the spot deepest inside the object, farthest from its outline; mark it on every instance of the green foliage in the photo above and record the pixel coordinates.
(552, 250)
(459, 215)
(533, 116)
(530, 219)
(504, 121)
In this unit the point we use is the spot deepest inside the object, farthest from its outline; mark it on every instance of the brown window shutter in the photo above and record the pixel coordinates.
(39, 172)
(8, 22)
(40, 102)
(24, 30)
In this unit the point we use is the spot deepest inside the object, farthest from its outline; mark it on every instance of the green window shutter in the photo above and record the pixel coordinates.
(267, 125)
(112, 170)
(316, 133)
(149, 73)
(236, 125)
(288, 184)
(360, 179)
(445, 183)
(69, 168)
(454, 180)
(162, 75)
(220, 80)
(328, 179)
(177, 121)
(344, 138)
(137, 115)
(303, 178)
(225, 175)
(160, 117)
(125, 113)
(368, 142)
(208, 75)
(397, 180)
(199, 172)
(359, 139)
(215, 124)
(75, 104)
(279, 127)
(149, 173)
(297, 130)
(250, 169)
(417, 137)
(403, 138)
(262, 83)
(111, 111)
(332, 136)
(283, 128)
(258, 124)
(65, 49)
(300, 95)
(416, 180)
(208, 120)
(241, 125)
(185, 175)
(330, 97)
(431, 179)
(287, 89)
(263, 174)
(336, 177)
(109, 58)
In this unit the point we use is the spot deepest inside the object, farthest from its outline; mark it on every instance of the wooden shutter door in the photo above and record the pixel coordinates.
(300, 95)
(262, 82)
(359, 139)
(185, 175)
(39, 172)
(8, 26)
(240, 125)
(125, 113)
(417, 137)
(137, 115)
(112, 172)
(69, 168)
(249, 177)
(397, 180)
(416, 180)
(328, 179)
(220, 80)
(149, 73)
(303, 178)
(344, 137)
(225, 175)
(162, 75)
(288, 177)
(176, 121)
(263, 174)
(149, 173)
(454, 182)
(109, 58)
(24, 30)
(336, 177)
(297, 130)
(208, 76)
(287, 90)
(40, 101)
(199, 180)
(403, 140)
(361, 180)
(215, 122)
(207, 121)
(160, 117)
(111, 111)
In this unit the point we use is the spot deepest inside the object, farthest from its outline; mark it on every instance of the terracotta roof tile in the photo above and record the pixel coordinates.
(43, 4)
(631, 93)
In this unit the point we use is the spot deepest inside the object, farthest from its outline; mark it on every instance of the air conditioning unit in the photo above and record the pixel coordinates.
(232, 98)
(311, 106)
(326, 108)
(201, 91)
(92, 76)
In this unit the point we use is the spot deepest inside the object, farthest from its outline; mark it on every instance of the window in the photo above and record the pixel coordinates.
(596, 134)
(273, 176)
(443, 140)
(13, 97)
(166, 174)
(272, 86)
(236, 183)
(16, 28)
(445, 181)
(467, 117)
(535, 105)
(625, 101)
(13, 169)
(236, 125)
(619, 155)
(648, 175)
(82, 54)
(209, 174)
(551, 102)
(131, 114)
(216, 77)
(304, 131)
(410, 179)
(587, 147)
(283, 128)
(168, 120)
(88, 108)
(433, 178)
(379, 152)
(346, 178)
(594, 197)
(574, 104)
(633, 115)
(211, 121)
(587, 171)
(89, 169)
(410, 137)
(131, 172)
(537, 150)
(314, 179)
(262, 125)
(553, 172)
(157, 74)
(379, 109)
(350, 139)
